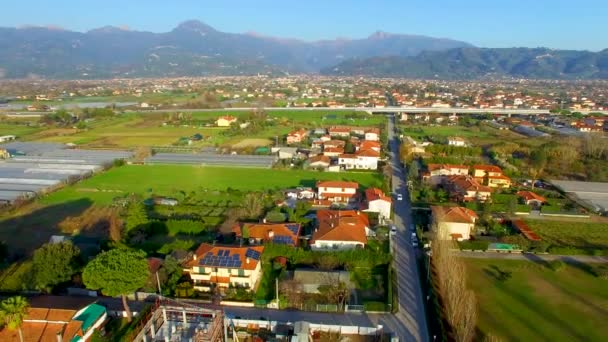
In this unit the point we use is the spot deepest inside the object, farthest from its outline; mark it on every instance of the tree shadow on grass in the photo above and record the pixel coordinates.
(497, 274)
(23, 234)
(537, 260)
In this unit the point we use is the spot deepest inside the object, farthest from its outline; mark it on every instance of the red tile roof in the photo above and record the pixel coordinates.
(369, 145)
(529, 195)
(368, 153)
(336, 225)
(487, 168)
(467, 183)
(267, 231)
(205, 248)
(454, 214)
(373, 194)
(320, 158)
(337, 184)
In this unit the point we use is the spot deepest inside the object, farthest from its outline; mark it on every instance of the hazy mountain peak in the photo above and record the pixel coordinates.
(194, 25)
(110, 29)
(380, 35)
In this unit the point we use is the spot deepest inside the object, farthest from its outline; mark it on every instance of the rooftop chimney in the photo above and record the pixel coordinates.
(194, 256)
(247, 260)
(59, 336)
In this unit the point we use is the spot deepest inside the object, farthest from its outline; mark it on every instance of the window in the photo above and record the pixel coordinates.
(241, 272)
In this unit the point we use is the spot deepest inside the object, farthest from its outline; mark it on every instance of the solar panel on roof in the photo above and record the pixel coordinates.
(252, 254)
(293, 228)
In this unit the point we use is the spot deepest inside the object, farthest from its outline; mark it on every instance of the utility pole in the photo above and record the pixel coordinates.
(276, 287)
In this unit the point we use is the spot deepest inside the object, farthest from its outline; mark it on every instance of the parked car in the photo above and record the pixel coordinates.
(399, 197)
(393, 230)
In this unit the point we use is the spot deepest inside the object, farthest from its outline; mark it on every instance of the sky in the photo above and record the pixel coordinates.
(560, 24)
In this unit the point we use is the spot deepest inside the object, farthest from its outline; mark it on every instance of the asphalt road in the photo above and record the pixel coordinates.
(411, 318)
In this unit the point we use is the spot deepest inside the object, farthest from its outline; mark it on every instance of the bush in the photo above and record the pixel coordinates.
(375, 306)
(475, 245)
(556, 265)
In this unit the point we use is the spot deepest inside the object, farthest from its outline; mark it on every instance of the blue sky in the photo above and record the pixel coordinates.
(568, 24)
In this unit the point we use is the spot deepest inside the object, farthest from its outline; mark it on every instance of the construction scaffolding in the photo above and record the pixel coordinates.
(174, 321)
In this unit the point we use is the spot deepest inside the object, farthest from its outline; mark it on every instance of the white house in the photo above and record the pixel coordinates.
(337, 191)
(362, 159)
(453, 223)
(456, 141)
(437, 172)
(377, 202)
(223, 267)
(372, 134)
(225, 121)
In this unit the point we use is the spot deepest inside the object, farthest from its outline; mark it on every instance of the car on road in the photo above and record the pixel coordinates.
(414, 242)
(393, 230)
(399, 197)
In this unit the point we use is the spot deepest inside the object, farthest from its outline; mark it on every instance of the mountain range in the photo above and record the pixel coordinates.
(192, 48)
(475, 63)
(196, 49)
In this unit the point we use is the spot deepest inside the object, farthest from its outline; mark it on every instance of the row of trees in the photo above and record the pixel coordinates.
(450, 282)
(119, 271)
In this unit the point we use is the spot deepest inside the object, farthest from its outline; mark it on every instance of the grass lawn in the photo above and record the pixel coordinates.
(168, 179)
(525, 301)
(583, 235)
(18, 130)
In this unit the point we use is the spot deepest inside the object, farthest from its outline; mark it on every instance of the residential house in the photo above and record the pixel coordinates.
(340, 229)
(320, 131)
(225, 121)
(338, 191)
(300, 193)
(333, 151)
(339, 131)
(436, 172)
(466, 189)
(456, 141)
(369, 145)
(59, 318)
(334, 144)
(223, 267)
(491, 175)
(377, 202)
(317, 143)
(297, 136)
(277, 233)
(531, 198)
(453, 222)
(362, 159)
(319, 162)
(6, 138)
(372, 134)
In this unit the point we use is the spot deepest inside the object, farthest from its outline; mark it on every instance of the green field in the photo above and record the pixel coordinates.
(18, 130)
(138, 129)
(526, 301)
(586, 236)
(478, 135)
(168, 179)
(132, 131)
